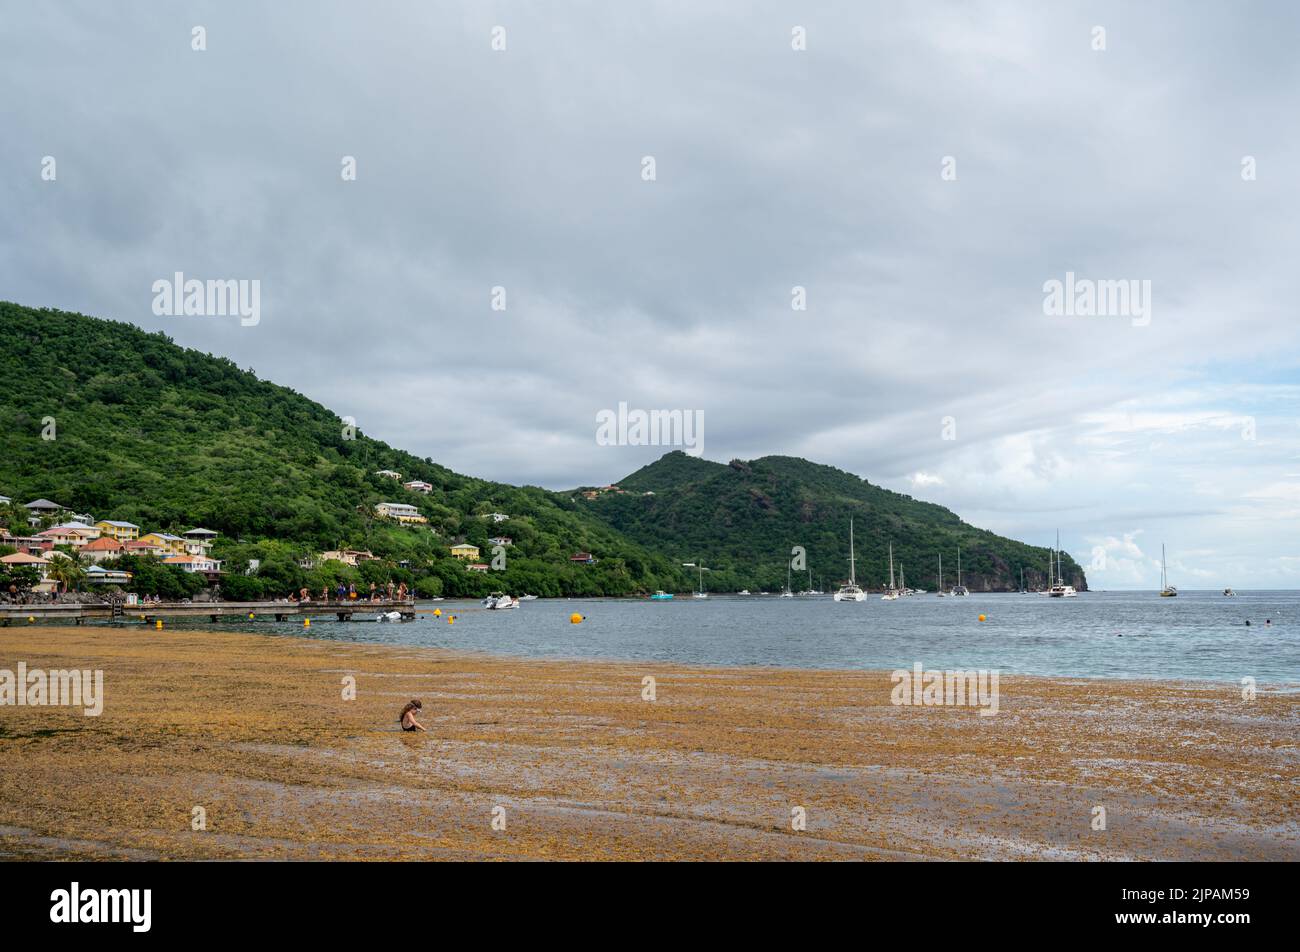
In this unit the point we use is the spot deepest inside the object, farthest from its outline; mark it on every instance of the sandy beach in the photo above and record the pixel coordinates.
(255, 731)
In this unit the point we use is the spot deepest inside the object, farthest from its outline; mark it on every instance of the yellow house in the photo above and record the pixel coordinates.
(400, 511)
(170, 544)
(121, 531)
(464, 550)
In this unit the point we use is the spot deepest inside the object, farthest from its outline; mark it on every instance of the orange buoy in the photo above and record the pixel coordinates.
(575, 618)
(981, 617)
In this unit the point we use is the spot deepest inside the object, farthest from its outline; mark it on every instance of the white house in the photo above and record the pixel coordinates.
(418, 486)
(390, 473)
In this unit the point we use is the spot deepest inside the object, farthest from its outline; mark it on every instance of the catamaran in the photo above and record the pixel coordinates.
(891, 593)
(851, 592)
(1058, 588)
(959, 590)
(1166, 590)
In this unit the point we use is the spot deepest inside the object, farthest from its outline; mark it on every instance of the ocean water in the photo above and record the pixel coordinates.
(1198, 635)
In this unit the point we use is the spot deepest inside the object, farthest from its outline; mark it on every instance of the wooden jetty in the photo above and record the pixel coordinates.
(76, 613)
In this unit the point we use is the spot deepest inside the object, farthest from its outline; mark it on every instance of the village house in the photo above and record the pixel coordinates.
(25, 560)
(121, 531)
(586, 558)
(145, 547)
(199, 541)
(39, 508)
(497, 516)
(32, 545)
(168, 543)
(98, 575)
(74, 534)
(400, 511)
(194, 563)
(463, 550)
(102, 549)
(418, 486)
(351, 557)
(477, 567)
(391, 474)
(501, 540)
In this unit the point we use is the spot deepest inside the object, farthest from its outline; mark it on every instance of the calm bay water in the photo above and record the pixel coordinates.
(1198, 635)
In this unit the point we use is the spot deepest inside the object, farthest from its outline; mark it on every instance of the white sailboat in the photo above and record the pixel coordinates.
(1166, 590)
(891, 593)
(940, 592)
(851, 592)
(787, 592)
(959, 590)
(701, 593)
(1059, 589)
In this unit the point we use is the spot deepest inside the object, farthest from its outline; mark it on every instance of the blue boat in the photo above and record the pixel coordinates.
(661, 596)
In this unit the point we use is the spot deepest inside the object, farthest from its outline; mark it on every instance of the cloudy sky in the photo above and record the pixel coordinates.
(828, 168)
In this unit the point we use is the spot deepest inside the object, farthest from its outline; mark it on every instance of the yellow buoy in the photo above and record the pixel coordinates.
(158, 623)
(250, 614)
(451, 619)
(30, 619)
(981, 617)
(575, 618)
(437, 613)
(306, 623)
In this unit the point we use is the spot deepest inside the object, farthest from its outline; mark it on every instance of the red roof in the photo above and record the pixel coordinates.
(103, 544)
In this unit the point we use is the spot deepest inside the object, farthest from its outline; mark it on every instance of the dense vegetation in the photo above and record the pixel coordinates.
(170, 438)
(743, 520)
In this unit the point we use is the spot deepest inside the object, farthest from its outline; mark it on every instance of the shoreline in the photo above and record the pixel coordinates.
(254, 730)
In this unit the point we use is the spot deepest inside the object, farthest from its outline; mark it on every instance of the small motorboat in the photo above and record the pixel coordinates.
(1230, 593)
(500, 601)
(661, 596)
(389, 616)
(528, 598)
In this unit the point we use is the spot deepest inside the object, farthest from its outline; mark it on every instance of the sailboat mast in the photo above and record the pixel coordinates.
(941, 571)
(891, 565)
(853, 572)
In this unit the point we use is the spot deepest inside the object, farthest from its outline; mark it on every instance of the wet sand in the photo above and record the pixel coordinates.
(254, 729)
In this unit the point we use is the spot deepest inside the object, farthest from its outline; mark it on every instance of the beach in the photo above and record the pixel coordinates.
(220, 745)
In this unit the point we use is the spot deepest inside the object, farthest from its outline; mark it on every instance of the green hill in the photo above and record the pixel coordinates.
(170, 438)
(743, 520)
(106, 419)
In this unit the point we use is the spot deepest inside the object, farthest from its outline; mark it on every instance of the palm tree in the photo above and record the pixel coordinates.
(66, 570)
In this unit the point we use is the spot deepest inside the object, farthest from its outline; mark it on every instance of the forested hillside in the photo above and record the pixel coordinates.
(743, 520)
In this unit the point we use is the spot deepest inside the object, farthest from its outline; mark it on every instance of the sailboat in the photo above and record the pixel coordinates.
(1058, 588)
(1166, 590)
(940, 592)
(851, 592)
(891, 593)
(787, 592)
(700, 593)
(959, 590)
(1023, 590)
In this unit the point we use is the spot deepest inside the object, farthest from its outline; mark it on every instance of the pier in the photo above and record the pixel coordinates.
(77, 613)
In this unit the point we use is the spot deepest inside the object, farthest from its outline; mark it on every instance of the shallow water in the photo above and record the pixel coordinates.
(1198, 635)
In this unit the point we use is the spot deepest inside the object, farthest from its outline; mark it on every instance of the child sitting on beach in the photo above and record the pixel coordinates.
(407, 717)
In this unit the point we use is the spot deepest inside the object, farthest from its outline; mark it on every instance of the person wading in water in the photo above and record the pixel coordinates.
(407, 717)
